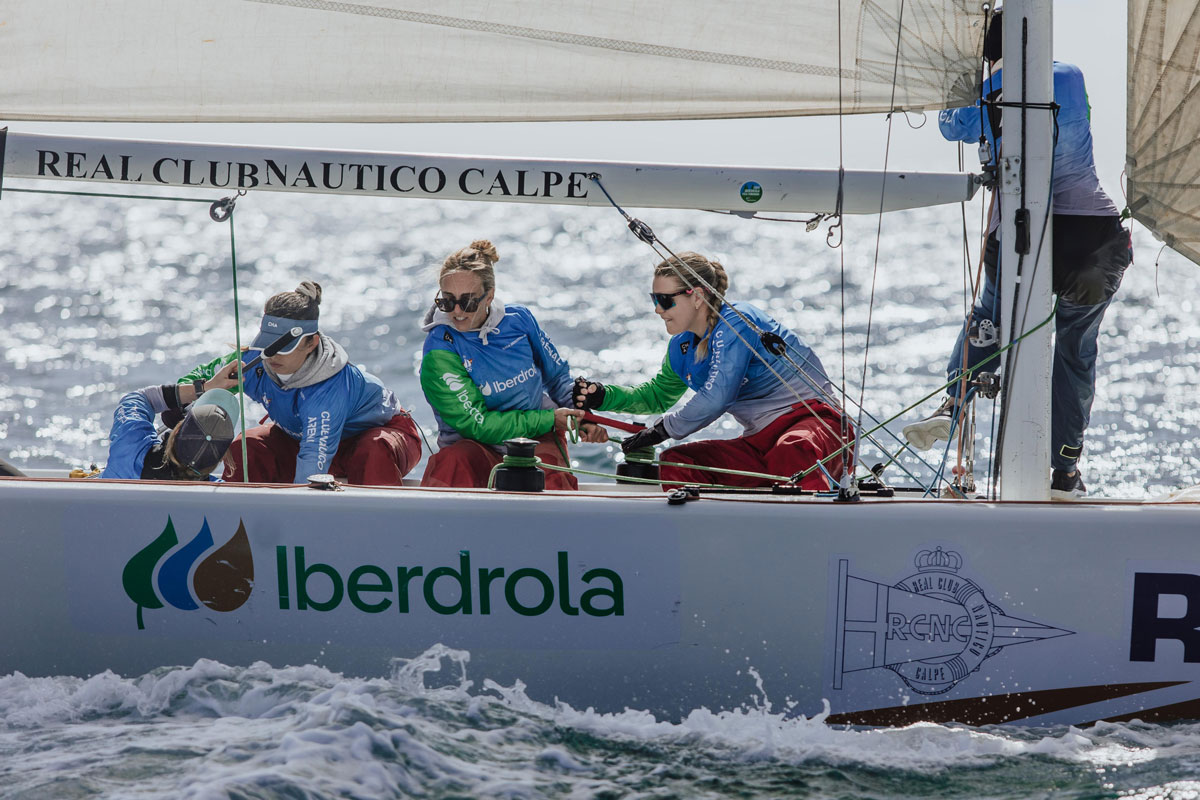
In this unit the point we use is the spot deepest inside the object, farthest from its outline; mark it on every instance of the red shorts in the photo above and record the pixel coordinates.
(467, 464)
(376, 457)
(791, 443)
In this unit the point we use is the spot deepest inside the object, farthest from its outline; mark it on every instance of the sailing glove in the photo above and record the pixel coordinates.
(648, 438)
(587, 394)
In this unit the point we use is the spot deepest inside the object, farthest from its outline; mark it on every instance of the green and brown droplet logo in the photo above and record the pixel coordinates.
(221, 582)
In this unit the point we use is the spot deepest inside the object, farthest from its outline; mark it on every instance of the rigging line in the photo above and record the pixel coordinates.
(971, 370)
(800, 371)
(717, 309)
(887, 149)
(562, 37)
(646, 234)
(228, 206)
(111, 194)
(844, 423)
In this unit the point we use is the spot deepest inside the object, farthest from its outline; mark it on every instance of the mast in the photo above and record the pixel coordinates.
(1025, 248)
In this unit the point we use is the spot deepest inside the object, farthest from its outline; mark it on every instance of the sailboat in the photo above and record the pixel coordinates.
(884, 611)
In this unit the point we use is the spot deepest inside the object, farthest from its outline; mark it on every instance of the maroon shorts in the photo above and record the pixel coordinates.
(791, 443)
(376, 457)
(467, 464)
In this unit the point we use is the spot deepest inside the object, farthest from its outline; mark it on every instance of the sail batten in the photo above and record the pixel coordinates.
(461, 60)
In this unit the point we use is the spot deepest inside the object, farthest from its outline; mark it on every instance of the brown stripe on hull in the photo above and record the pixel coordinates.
(1000, 708)
(1188, 709)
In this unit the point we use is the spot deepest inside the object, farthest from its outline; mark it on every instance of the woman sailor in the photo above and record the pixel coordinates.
(491, 374)
(327, 415)
(783, 402)
(188, 451)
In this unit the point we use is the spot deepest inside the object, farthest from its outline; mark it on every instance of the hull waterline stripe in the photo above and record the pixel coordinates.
(998, 709)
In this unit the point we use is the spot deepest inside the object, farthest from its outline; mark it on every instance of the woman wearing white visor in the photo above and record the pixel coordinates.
(327, 415)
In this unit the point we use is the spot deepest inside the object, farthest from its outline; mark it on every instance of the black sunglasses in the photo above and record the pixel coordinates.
(666, 300)
(446, 302)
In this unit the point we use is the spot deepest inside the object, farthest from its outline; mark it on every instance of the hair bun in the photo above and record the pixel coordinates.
(311, 290)
(486, 249)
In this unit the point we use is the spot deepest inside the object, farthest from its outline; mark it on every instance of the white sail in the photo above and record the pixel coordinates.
(1163, 126)
(462, 60)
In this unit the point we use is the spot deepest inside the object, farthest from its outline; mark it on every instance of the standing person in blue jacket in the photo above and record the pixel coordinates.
(786, 409)
(1091, 251)
(189, 451)
(491, 374)
(327, 415)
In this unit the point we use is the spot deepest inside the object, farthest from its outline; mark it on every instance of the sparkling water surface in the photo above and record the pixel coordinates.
(103, 295)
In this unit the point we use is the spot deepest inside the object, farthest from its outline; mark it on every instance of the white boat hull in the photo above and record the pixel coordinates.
(891, 611)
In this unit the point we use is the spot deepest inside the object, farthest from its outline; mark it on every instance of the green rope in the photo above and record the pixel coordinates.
(237, 337)
(110, 194)
(969, 372)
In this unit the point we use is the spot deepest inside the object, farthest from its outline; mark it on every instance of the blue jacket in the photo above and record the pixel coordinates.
(322, 414)
(730, 378)
(131, 437)
(1075, 184)
(494, 383)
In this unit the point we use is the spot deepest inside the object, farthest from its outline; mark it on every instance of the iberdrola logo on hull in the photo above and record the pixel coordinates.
(221, 582)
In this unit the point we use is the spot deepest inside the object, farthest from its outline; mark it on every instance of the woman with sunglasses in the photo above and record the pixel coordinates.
(327, 415)
(784, 402)
(491, 374)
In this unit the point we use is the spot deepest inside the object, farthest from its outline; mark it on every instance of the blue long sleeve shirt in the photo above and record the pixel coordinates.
(320, 415)
(733, 378)
(1076, 186)
(471, 378)
(131, 437)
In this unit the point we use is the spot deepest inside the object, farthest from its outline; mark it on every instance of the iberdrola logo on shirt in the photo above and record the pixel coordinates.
(453, 381)
(221, 582)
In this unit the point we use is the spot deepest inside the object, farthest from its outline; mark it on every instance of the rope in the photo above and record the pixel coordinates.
(111, 194)
(646, 234)
(943, 387)
(228, 206)
(534, 461)
(887, 151)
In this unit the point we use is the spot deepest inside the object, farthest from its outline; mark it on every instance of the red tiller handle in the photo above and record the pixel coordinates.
(628, 427)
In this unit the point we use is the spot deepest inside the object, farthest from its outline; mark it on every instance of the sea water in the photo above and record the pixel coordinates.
(103, 295)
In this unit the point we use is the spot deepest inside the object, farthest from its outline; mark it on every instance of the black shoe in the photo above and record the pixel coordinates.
(1066, 485)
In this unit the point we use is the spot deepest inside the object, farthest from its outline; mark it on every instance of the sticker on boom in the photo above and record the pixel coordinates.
(751, 192)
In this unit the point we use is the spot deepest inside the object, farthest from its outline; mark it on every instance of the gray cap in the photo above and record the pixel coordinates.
(206, 432)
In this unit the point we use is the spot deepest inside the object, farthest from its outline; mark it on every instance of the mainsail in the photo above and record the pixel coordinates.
(1163, 125)
(465, 60)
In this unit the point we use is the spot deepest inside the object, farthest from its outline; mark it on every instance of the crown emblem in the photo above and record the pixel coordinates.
(938, 559)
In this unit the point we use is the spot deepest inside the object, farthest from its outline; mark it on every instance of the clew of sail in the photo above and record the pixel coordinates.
(1163, 125)
(462, 60)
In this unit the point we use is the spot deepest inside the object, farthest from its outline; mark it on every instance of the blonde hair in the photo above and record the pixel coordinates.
(179, 468)
(699, 273)
(478, 258)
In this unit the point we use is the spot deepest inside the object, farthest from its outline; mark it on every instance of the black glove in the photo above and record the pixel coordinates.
(587, 394)
(646, 438)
